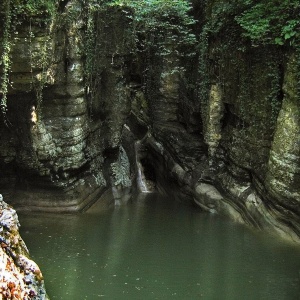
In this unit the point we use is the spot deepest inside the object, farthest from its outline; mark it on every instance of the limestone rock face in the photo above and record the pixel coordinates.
(20, 277)
(251, 125)
(283, 175)
(242, 160)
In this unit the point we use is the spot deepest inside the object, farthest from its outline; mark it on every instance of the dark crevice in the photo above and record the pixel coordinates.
(149, 170)
(62, 5)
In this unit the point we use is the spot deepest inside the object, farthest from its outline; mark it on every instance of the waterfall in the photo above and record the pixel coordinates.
(141, 180)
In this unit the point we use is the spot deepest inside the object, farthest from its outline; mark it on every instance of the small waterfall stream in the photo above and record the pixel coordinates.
(140, 178)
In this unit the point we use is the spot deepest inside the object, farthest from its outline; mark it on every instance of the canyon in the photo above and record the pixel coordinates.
(215, 124)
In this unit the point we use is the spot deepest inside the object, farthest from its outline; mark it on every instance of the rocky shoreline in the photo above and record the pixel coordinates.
(20, 277)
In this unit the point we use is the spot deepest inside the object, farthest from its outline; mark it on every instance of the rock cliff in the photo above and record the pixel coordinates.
(217, 125)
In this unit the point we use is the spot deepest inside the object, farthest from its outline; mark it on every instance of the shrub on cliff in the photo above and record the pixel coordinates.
(271, 22)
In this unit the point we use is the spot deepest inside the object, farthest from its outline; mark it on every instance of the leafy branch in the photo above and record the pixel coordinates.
(271, 22)
(152, 19)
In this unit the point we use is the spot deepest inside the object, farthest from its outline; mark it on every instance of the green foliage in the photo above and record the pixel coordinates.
(271, 21)
(274, 22)
(228, 59)
(30, 8)
(160, 22)
(151, 12)
(154, 30)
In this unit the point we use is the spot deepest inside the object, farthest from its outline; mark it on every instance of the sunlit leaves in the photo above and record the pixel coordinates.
(157, 17)
(271, 22)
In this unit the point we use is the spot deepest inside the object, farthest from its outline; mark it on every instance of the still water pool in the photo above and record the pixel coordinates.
(157, 249)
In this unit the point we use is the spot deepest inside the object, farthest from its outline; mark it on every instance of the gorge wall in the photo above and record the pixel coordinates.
(217, 121)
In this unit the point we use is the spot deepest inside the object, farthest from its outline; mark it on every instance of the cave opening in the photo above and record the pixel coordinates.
(149, 170)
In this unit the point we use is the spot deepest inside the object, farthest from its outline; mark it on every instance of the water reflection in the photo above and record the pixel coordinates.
(157, 249)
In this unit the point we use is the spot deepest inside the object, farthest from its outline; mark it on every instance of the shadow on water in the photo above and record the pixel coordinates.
(157, 249)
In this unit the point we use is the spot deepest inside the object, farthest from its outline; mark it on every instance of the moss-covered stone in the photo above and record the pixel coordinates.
(283, 177)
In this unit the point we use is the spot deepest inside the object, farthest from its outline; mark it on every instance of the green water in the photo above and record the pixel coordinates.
(157, 249)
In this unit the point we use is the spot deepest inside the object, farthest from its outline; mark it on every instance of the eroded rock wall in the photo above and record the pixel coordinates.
(51, 150)
(61, 145)
(248, 130)
(251, 89)
(242, 158)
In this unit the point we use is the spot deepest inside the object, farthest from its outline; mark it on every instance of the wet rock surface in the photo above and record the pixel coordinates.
(20, 277)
